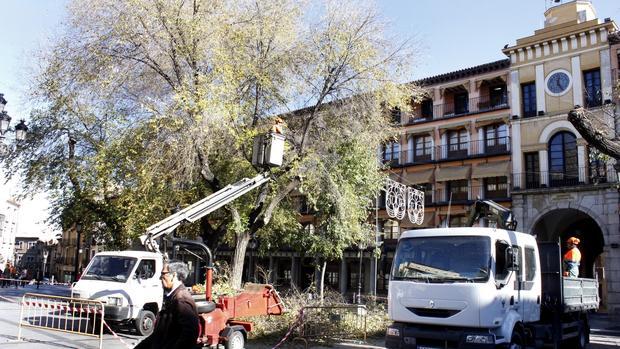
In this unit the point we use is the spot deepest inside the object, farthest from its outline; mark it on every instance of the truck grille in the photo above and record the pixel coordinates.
(437, 313)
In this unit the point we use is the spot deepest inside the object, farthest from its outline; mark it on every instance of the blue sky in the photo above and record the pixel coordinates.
(452, 35)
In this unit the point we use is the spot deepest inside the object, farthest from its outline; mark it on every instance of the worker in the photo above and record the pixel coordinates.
(278, 126)
(572, 258)
(177, 323)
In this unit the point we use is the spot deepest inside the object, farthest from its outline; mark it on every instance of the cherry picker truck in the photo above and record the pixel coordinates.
(127, 282)
(485, 287)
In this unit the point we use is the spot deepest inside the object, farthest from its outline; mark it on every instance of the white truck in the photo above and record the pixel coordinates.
(128, 283)
(478, 287)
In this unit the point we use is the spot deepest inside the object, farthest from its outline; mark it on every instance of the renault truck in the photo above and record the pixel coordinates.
(485, 287)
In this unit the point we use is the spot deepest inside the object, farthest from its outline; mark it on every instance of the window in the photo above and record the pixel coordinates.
(461, 102)
(391, 230)
(563, 159)
(427, 109)
(532, 170)
(457, 143)
(391, 153)
(496, 139)
(427, 188)
(396, 115)
(146, 269)
(458, 221)
(331, 278)
(423, 148)
(501, 264)
(458, 189)
(495, 187)
(592, 85)
(498, 96)
(528, 96)
(530, 264)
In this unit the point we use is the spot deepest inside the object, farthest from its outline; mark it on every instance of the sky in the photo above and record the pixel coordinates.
(449, 35)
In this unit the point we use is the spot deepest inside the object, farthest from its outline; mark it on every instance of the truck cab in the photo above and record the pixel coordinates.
(476, 282)
(127, 282)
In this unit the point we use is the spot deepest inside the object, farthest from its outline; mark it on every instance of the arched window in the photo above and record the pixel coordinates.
(563, 166)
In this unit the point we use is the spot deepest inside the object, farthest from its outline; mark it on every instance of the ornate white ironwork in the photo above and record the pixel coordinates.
(415, 205)
(395, 199)
(400, 199)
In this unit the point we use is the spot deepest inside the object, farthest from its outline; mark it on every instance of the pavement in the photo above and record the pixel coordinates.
(605, 333)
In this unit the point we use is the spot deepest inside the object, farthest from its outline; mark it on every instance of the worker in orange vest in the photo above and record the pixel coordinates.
(572, 258)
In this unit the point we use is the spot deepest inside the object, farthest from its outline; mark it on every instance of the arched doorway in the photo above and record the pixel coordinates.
(564, 223)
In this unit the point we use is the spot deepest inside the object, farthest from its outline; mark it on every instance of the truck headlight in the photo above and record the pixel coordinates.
(118, 301)
(480, 339)
(391, 331)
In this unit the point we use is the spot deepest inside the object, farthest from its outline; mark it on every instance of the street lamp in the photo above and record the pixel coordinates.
(5, 120)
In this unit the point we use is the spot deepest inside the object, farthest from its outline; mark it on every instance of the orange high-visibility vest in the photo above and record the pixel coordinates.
(572, 255)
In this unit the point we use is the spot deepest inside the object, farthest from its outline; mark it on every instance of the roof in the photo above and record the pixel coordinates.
(137, 254)
(463, 73)
(467, 231)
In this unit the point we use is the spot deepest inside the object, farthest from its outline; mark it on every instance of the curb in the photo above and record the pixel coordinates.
(356, 346)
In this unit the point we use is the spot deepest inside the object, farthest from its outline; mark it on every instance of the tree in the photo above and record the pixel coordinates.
(597, 135)
(158, 103)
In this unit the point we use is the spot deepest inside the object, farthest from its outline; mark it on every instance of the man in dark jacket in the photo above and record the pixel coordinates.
(176, 326)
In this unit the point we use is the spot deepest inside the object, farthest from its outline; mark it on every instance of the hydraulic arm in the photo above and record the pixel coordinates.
(493, 212)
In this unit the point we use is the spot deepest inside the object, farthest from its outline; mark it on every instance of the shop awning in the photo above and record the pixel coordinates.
(420, 177)
(491, 169)
(444, 174)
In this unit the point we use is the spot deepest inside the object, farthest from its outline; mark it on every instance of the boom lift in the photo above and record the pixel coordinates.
(219, 322)
(494, 212)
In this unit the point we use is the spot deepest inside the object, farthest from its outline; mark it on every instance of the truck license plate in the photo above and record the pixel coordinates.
(425, 347)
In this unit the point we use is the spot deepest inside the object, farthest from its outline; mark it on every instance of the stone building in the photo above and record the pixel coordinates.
(561, 186)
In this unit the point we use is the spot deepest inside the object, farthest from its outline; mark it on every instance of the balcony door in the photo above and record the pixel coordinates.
(563, 166)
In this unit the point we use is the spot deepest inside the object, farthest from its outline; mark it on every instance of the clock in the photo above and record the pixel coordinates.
(558, 82)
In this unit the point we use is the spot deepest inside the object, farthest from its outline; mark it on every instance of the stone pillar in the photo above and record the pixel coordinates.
(581, 163)
(544, 167)
(577, 87)
(294, 267)
(517, 161)
(373, 276)
(606, 78)
(342, 279)
(540, 88)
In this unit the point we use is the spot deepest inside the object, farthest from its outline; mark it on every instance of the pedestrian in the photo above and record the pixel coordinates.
(572, 258)
(177, 323)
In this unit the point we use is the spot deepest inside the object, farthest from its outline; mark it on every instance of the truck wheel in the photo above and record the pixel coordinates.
(145, 323)
(579, 342)
(517, 340)
(235, 341)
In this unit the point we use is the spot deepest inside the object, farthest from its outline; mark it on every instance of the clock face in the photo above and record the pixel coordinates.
(558, 82)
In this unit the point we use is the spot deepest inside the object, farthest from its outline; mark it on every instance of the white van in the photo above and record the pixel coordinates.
(127, 282)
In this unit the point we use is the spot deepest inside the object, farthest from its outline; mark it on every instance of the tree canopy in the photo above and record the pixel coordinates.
(143, 106)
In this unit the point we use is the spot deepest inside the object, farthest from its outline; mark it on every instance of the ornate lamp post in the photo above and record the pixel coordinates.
(5, 120)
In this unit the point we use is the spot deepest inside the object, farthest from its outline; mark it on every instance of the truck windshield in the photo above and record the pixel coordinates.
(111, 268)
(442, 259)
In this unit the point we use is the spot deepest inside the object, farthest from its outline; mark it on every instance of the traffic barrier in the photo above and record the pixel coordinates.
(338, 322)
(65, 314)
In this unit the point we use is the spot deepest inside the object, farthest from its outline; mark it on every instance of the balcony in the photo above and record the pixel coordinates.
(471, 106)
(459, 151)
(581, 177)
(442, 196)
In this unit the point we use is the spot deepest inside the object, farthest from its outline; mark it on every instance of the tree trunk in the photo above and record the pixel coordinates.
(238, 258)
(321, 281)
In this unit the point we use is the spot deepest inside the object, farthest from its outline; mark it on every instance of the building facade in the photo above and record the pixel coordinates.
(562, 187)
(8, 229)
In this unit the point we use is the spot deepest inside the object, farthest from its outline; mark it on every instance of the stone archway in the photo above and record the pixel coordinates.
(562, 223)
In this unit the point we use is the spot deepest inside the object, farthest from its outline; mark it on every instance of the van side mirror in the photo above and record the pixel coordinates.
(512, 258)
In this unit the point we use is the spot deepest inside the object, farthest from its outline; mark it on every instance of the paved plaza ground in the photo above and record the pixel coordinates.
(605, 333)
